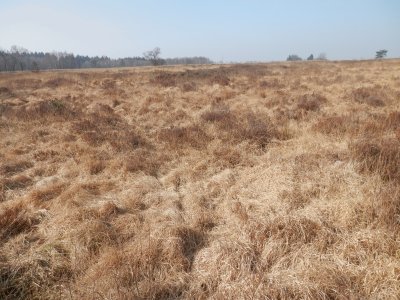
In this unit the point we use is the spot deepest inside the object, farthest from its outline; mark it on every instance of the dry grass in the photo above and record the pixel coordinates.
(275, 181)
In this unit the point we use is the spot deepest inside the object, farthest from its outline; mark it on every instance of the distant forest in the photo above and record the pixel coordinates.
(20, 59)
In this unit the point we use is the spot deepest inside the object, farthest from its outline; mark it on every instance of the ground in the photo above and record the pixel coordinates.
(261, 181)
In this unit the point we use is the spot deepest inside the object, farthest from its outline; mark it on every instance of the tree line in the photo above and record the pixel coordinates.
(380, 54)
(295, 57)
(21, 59)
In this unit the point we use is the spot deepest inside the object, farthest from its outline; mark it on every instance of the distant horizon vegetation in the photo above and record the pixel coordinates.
(21, 59)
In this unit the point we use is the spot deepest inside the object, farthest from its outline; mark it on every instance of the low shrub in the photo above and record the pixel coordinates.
(16, 182)
(143, 160)
(15, 219)
(311, 102)
(378, 155)
(15, 167)
(333, 125)
(371, 96)
(164, 79)
(178, 136)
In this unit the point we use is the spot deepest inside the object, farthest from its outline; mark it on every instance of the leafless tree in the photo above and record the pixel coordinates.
(322, 56)
(154, 56)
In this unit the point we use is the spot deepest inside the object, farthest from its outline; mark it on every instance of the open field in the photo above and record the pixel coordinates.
(273, 181)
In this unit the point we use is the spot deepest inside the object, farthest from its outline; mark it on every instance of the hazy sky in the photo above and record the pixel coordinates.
(235, 30)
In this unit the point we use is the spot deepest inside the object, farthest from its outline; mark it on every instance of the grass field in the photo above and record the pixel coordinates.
(264, 181)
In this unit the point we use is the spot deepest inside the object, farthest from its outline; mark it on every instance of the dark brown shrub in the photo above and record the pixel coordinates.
(372, 96)
(379, 155)
(242, 126)
(15, 219)
(189, 87)
(393, 120)
(54, 106)
(46, 194)
(99, 128)
(333, 125)
(220, 78)
(178, 137)
(227, 156)
(164, 79)
(16, 182)
(387, 206)
(45, 155)
(217, 113)
(15, 167)
(115, 103)
(187, 242)
(126, 140)
(58, 82)
(311, 102)
(108, 84)
(291, 229)
(5, 93)
(96, 166)
(143, 160)
(240, 211)
(108, 210)
(272, 83)
(48, 110)
(26, 83)
(261, 131)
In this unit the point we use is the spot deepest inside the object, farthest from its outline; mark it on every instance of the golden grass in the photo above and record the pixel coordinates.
(274, 181)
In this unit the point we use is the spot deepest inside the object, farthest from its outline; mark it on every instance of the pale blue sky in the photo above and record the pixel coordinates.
(235, 30)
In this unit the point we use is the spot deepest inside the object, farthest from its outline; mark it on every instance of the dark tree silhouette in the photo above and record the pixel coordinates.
(20, 59)
(293, 57)
(154, 56)
(381, 54)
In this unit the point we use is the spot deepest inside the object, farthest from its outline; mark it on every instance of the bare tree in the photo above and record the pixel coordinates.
(322, 56)
(18, 50)
(3, 55)
(154, 56)
(13, 62)
(35, 67)
(20, 59)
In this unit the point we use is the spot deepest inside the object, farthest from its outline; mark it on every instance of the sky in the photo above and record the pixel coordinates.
(229, 31)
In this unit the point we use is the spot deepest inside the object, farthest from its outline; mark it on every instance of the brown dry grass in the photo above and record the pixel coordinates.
(277, 181)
